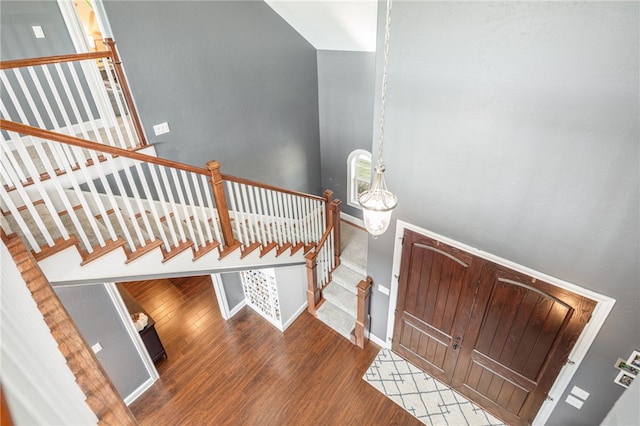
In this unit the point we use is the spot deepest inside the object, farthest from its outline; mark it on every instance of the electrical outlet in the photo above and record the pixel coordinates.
(161, 129)
(37, 30)
(383, 290)
(96, 348)
(572, 400)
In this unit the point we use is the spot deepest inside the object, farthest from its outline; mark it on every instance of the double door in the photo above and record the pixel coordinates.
(496, 335)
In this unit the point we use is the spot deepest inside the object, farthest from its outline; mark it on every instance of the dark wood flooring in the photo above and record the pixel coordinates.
(246, 372)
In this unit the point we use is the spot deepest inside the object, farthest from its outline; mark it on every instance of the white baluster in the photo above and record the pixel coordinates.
(236, 212)
(199, 237)
(42, 193)
(195, 184)
(165, 210)
(124, 114)
(174, 207)
(257, 215)
(126, 200)
(16, 214)
(212, 208)
(185, 212)
(250, 218)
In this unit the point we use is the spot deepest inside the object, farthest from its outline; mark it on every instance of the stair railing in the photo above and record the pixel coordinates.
(142, 201)
(325, 258)
(84, 95)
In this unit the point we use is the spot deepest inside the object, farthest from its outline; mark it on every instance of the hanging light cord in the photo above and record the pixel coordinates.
(383, 99)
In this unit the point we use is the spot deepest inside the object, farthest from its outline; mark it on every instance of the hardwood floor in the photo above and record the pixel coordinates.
(246, 372)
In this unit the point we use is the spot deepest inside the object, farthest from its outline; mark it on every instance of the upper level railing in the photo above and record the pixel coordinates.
(84, 95)
(71, 173)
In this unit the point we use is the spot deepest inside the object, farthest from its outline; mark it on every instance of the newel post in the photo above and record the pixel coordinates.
(335, 209)
(314, 294)
(362, 319)
(124, 86)
(229, 243)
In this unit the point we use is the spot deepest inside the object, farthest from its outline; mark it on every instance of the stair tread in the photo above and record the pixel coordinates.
(347, 278)
(354, 247)
(336, 318)
(341, 297)
(117, 226)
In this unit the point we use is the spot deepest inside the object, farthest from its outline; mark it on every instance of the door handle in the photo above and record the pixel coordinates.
(456, 342)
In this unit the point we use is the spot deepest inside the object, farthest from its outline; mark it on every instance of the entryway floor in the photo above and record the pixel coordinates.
(432, 402)
(246, 372)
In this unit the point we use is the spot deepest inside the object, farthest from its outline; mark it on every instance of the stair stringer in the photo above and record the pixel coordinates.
(65, 266)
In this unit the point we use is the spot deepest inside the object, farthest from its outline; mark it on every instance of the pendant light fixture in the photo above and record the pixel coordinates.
(378, 202)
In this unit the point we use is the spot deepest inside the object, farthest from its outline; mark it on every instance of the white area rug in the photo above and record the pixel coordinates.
(430, 401)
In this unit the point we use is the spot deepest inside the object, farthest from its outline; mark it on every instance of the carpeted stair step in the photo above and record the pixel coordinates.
(354, 247)
(336, 318)
(117, 226)
(88, 229)
(341, 297)
(44, 214)
(347, 278)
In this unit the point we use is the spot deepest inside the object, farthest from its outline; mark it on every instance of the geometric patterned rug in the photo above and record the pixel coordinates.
(427, 399)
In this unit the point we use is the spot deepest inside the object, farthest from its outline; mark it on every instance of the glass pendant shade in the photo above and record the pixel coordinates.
(377, 204)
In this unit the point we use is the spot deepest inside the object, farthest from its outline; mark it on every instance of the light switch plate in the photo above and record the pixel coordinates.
(161, 129)
(96, 348)
(383, 290)
(579, 392)
(572, 400)
(37, 30)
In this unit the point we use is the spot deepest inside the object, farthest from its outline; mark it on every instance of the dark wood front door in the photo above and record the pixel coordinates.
(498, 336)
(437, 285)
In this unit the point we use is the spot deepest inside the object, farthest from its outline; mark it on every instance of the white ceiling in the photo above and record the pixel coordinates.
(332, 24)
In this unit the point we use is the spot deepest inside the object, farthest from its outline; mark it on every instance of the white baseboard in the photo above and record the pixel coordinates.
(375, 339)
(294, 316)
(237, 308)
(139, 391)
(352, 220)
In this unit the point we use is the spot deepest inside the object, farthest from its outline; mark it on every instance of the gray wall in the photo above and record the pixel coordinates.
(93, 311)
(232, 283)
(513, 127)
(234, 81)
(345, 96)
(17, 40)
(292, 290)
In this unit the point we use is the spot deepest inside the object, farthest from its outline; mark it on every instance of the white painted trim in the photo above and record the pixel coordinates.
(80, 43)
(375, 339)
(352, 220)
(218, 289)
(603, 308)
(125, 317)
(139, 391)
(353, 155)
(300, 310)
(237, 308)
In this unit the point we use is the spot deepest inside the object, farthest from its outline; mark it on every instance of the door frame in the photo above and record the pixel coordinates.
(148, 363)
(604, 305)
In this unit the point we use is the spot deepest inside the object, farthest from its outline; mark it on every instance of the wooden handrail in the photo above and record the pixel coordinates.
(270, 187)
(81, 143)
(47, 60)
(126, 92)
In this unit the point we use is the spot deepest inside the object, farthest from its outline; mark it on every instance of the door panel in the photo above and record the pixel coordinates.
(431, 300)
(520, 334)
(497, 336)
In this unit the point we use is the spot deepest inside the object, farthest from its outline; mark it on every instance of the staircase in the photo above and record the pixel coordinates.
(339, 310)
(93, 202)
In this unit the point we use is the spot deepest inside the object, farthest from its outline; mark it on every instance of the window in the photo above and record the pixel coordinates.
(358, 175)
